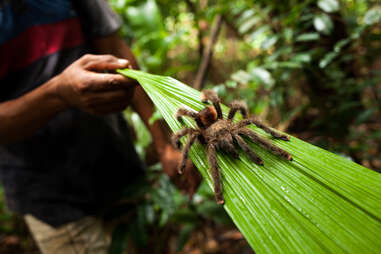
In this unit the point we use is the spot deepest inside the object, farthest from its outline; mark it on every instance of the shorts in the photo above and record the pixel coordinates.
(87, 235)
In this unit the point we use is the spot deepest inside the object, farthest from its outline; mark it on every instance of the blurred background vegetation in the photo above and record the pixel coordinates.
(309, 68)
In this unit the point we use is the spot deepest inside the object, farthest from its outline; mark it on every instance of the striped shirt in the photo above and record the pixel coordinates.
(76, 162)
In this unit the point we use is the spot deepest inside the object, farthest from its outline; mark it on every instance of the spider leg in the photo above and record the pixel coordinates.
(264, 143)
(178, 135)
(213, 97)
(227, 145)
(258, 123)
(190, 113)
(235, 106)
(215, 172)
(192, 137)
(253, 156)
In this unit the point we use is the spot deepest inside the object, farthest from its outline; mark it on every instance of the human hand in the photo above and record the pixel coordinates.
(84, 86)
(189, 180)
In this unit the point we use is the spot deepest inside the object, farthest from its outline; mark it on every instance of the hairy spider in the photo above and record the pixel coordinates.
(218, 133)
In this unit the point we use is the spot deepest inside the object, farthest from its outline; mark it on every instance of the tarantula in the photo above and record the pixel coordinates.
(218, 133)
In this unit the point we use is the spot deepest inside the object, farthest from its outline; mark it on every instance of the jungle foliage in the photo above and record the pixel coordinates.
(318, 203)
(310, 68)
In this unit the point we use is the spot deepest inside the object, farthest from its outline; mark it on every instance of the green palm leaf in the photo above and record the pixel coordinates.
(318, 203)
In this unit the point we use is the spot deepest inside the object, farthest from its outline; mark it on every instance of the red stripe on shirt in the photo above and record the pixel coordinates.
(39, 41)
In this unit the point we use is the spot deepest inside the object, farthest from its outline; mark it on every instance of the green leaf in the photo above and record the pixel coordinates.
(143, 136)
(372, 16)
(211, 210)
(231, 84)
(285, 64)
(245, 16)
(163, 197)
(365, 115)
(323, 24)
(184, 236)
(138, 230)
(241, 77)
(262, 76)
(155, 116)
(341, 44)
(287, 34)
(318, 203)
(327, 59)
(119, 239)
(248, 24)
(145, 18)
(328, 5)
(258, 33)
(308, 37)
(269, 42)
(220, 90)
(302, 58)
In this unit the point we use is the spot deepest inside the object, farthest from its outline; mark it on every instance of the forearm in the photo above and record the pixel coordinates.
(79, 86)
(22, 117)
(140, 103)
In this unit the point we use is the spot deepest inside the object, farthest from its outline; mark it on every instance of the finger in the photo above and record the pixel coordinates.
(104, 62)
(87, 58)
(107, 82)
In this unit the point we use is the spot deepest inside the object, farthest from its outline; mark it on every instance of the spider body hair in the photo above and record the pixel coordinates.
(222, 134)
(235, 106)
(210, 95)
(207, 116)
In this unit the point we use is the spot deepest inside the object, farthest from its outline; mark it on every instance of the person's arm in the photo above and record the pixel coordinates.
(21, 117)
(78, 86)
(141, 103)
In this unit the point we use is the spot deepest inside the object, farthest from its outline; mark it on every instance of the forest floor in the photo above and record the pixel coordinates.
(208, 240)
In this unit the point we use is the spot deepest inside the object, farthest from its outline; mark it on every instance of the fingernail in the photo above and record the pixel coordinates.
(123, 61)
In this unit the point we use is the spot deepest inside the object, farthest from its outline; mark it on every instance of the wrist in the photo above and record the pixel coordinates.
(53, 87)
